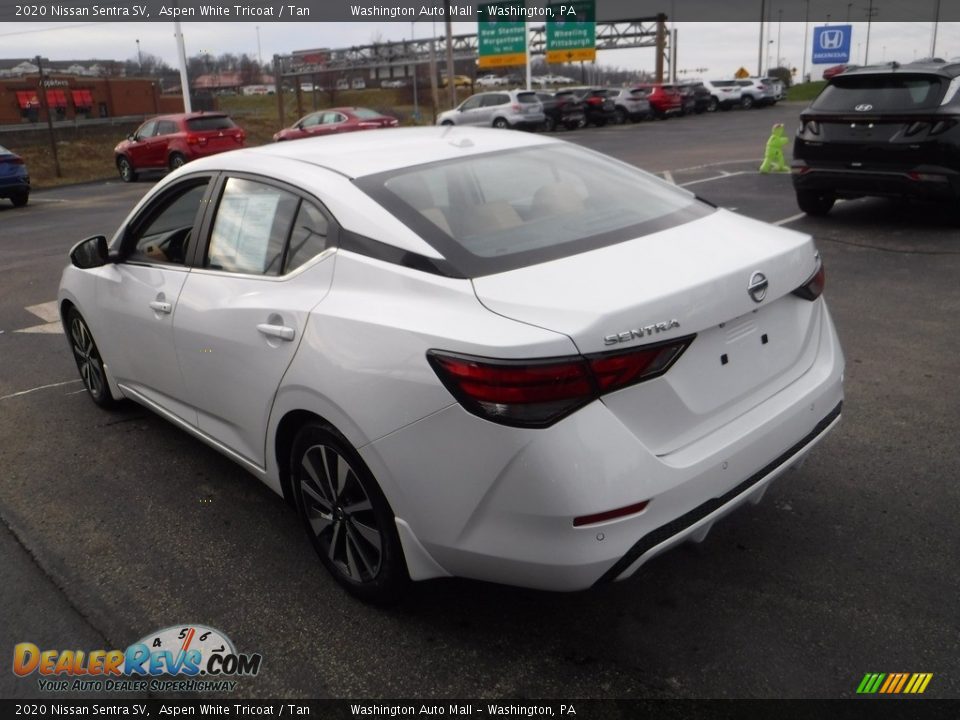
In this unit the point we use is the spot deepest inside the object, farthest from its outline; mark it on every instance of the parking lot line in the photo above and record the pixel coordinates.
(719, 177)
(40, 387)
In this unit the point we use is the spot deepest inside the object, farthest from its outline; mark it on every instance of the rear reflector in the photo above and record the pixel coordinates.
(610, 514)
(12, 160)
(813, 287)
(537, 393)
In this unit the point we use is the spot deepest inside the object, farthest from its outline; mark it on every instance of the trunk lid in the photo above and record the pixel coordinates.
(689, 279)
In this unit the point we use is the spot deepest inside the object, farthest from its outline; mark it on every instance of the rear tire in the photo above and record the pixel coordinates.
(127, 173)
(446, 123)
(176, 161)
(501, 124)
(621, 116)
(746, 102)
(347, 518)
(20, 199)
(814, 203)
(549, 124)
(713, 105)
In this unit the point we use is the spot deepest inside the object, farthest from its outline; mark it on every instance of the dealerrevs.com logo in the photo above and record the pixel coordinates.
(180, 658)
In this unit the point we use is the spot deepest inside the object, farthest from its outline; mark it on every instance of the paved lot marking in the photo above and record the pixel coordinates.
(41, 387)
(720, 177)
(47, 312)
(668, 176)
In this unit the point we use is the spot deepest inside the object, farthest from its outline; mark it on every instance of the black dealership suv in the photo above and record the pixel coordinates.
(886, 130)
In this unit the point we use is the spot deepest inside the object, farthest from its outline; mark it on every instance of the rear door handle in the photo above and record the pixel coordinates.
(278, 331)
(163, 307)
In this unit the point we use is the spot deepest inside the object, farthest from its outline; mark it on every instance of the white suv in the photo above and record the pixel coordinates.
(502, 109)
(756, 92)
(491, 81)
(724, 94)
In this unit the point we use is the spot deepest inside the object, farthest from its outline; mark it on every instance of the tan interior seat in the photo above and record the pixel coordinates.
(556, 199)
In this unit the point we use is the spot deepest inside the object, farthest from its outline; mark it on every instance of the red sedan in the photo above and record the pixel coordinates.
(336, 120)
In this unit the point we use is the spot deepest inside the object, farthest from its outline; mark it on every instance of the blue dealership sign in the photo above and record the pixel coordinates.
(831, 43)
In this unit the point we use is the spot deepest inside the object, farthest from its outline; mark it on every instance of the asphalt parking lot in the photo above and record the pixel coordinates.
(116, 525)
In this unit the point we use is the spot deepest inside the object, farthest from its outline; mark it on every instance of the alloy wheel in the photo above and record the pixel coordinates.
(88, 358)
(340, 514)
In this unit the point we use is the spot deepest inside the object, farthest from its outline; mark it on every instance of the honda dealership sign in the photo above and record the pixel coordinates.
(831, 44)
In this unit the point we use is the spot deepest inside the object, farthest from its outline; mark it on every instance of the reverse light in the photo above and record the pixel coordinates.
(537, 393)
(813, 287)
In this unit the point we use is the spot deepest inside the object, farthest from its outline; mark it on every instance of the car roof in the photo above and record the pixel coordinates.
(933, 67)
(366, 153)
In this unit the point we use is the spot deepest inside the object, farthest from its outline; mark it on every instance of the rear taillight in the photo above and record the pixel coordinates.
(812, 127)
(12, 160)
(942, 126)
(515, 107)
(914, 128)
(537, 393)
(813, 287)
(595, 101)
(196, 140)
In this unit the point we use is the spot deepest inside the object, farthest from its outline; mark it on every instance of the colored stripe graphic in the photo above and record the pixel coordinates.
(894, 683)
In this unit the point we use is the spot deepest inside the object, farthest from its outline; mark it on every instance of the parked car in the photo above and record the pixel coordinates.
(170, 141)
(14, 178)
(599, 108)
(777, 86)
(335, 120)
(889, 130)
(565, 110)
(629, 104)
(395, 83)
(724, 94)
(550, 79)
(458, 81)
(664, 100)
(755, 93)
(491, 81)
(501, 109)
(434, 344)
(699, 93)
(688, 100)
(358, 84)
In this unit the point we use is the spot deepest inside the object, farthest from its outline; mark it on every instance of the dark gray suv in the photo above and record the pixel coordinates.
(887, 130)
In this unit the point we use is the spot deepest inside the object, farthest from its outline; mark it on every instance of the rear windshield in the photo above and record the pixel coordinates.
(212, 122)
(724, 83)
(527, 97)
(500, 211)
(366, 113)
(884, 92)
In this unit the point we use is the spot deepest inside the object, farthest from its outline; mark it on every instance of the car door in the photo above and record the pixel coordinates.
(243, 310)
(308, 126)
(469, 109)
(138, 151)
(159, 144)
(137, 297)
(330, 123)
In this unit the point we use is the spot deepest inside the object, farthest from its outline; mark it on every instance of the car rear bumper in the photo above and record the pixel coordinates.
(921, 182)
(14, 184)
(493, 503)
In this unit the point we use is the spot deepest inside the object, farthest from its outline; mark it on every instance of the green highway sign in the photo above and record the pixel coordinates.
(501, 34)
(571, 31)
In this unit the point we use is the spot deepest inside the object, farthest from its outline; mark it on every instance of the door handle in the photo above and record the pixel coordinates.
(163, 307)
(278, 331)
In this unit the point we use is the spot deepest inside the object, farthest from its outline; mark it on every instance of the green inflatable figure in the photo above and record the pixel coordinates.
(773, 158)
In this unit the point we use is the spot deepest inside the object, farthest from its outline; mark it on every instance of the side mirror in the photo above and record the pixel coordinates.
(131, 137)
(90, 253)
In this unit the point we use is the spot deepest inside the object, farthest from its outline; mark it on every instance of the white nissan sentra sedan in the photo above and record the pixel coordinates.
(462, 351)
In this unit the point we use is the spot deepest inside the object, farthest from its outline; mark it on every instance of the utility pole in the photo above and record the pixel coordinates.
(870, 13)
(779, 27)
(182, 59)
(806, 30)
(416, 102)
(763, 6)
(451, 83)
(45, 106)
(139, 58)
(936, 25)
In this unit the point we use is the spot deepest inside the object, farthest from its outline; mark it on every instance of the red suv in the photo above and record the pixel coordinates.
(169, 141)
(664, 100)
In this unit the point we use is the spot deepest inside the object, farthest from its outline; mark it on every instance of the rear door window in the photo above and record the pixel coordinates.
(210, 122)
(884, 92)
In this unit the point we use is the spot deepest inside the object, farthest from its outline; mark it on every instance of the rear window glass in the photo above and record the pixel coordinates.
(499, 211)
(527, 97)
(884, 92)
(366, 113)
(213, 122)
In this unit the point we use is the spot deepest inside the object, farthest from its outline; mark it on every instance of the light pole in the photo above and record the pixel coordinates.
(806, 30)
(259, 50)
(936, 24)
(779, 27)
(139, 58)
(416, 102)
(760, 50)
(870, 13)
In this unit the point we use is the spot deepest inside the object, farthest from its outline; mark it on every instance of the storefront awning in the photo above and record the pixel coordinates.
(56, 98)
(27, 99)
(82, 98)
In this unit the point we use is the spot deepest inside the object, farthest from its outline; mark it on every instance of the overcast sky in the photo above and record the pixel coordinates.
(719, 47)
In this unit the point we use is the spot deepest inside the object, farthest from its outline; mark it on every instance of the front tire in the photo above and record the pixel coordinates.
(746, 102)
(177, 161)
(621, 116)
(347, 518)
(549, 124)
(127, 173)
(89, 363)
(501, 124)
(814, 203)
(713, 105)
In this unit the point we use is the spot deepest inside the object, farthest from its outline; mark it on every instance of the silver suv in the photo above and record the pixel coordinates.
(724, 94)
(501, 109)
(755, 92)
